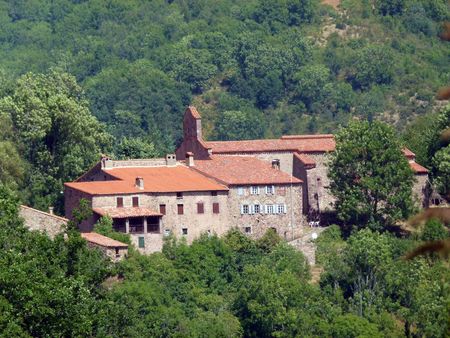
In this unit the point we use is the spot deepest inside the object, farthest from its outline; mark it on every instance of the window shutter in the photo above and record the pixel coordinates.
(267, 189)
(251, 209)
(284, 208)
(257, 190)
(265, 209)
(242, 209)
(273, 189)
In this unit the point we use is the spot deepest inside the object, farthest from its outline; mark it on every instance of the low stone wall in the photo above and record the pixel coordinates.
(38, 220)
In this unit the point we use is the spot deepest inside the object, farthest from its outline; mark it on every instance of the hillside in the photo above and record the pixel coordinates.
(289, 66)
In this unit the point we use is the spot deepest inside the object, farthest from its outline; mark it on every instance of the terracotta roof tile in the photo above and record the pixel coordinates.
(302, 143)
(101, 240)
(243, 170)
(417, 168)
(126, 212)
(193, 111)
(156, 179)
(408, 153)
(306, 160)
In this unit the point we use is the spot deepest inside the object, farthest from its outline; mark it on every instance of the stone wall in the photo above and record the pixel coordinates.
(173, 223)
(288, 225)
(420, 190)
(115, 254)
(72, 199)
(38, 220)
(319, 195)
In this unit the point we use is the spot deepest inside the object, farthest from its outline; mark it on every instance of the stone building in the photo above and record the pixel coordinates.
(302, 156)
(151, 199)
(52, 225)
(211, 187)
(114, 250)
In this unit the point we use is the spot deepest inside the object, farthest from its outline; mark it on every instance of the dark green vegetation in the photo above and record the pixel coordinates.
(370, 177)
(255, 69)
(226, 287)
(141, 62)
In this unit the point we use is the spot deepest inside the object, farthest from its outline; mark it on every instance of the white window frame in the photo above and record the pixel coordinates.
(245, 209)
(167, 232)
(259, 208)
(270, 190)
(254, 190)
(281, 208)
(270, 209)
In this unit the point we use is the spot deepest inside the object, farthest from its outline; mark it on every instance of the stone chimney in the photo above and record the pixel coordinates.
(276, 164)
(50, 210)
(171, 160)
(190, 159)
(106, 162)
(140, 183)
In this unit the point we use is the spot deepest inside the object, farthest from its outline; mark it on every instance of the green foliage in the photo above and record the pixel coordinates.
(439, 152)
(130, 148)
(237, 125)
(370, 177)
(268, 241)
(373, 64)
(104, 226)
(60, 137)
(433, 231)
(352, 326)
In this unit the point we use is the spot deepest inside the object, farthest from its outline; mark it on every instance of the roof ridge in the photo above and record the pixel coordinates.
(306, 136)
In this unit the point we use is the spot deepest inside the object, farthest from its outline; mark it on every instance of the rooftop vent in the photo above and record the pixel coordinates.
(140, 183)
(190, 159)
(276, 164)
(171, 160)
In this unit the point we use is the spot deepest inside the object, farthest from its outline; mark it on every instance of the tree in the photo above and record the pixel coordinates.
(439, 152)
(60, 136)
(130, 148)
(238, 125)
(373, 64)
(311, 80)
(370, 177)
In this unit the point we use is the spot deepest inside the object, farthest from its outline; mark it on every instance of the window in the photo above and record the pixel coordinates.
(270, 209)
(141, 243)
(257, 208)
(136, 225)
(245, 209)
(216, 209)
(213, 193)
(200, 208)
(179, 195)
(281, 208)
(119, 202)
(162, 209)
(270, 189)
(180, 208)
(119, 225)
(117, 252)
(248, 230)
(135, 201)
(240, 191)
(254, 190)
(184, 231)
(153, 225)
(167, 232)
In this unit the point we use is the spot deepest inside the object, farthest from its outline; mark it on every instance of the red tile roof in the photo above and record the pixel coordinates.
(300, 143)
(306, 160)
(408, 153)
(193, 111)
(243, 170)
(101, 240)
(417, 168)
(126, 212)
(156, 179)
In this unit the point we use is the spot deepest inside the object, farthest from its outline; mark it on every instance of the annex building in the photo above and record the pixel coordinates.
(211, 187)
